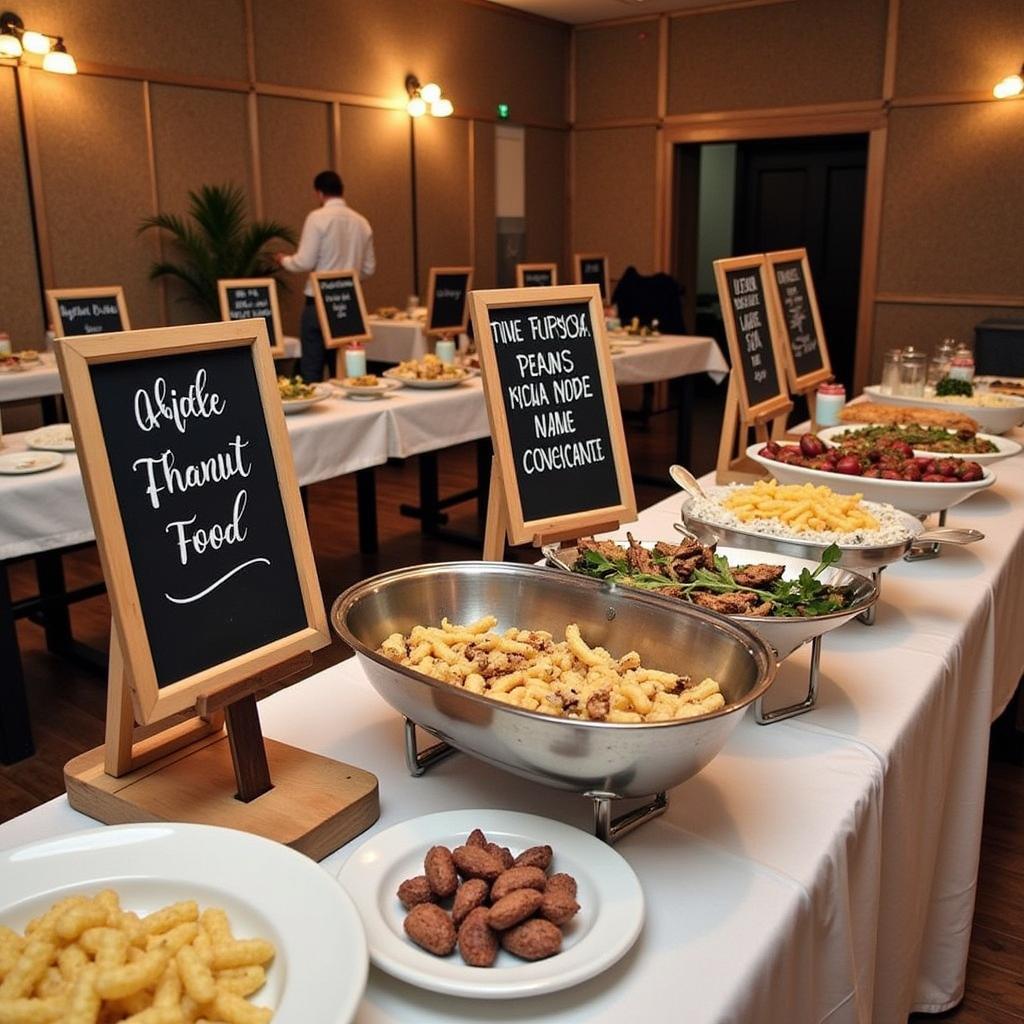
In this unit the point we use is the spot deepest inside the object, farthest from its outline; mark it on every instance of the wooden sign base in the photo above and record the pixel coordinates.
(733, 464)
(195, 771)
(810, 397)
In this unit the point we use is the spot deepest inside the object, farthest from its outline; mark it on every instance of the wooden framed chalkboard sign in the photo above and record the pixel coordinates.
(340, 307)
(757, 391)
(242, 298)
(536, 275)
(86, 311)
(448, 291)
(592, 268)
(214, 593)
(805, 352)
(561, 463)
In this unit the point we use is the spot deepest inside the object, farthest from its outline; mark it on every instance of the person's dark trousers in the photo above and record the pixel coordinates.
(314, 354)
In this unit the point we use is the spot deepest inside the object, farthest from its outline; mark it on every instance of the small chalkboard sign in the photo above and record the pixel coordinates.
(554, 411)
(188, 471)
(76, 312)
(592, 268)
(805, 352)
(448, 299)
(340, 307)
(242, 298)
(536, 275)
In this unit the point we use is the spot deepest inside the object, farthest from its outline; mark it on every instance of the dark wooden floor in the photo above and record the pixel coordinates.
(68, 703)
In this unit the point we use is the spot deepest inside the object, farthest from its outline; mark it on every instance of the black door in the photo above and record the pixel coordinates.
(809, 192)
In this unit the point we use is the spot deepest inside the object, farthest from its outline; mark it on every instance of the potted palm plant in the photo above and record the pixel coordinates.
(216, 240)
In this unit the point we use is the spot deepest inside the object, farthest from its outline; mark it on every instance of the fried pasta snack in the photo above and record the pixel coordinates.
(800, 506)
(88, 961)
(565, 679)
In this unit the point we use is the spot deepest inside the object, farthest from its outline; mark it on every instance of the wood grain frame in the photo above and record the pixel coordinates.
(576, 524)
(523, 268)
(75, 356)
(224, 284)
(809, 380)
(771, 406)
(431, 285)
(55, 295)
(321, 309)
(577, 271)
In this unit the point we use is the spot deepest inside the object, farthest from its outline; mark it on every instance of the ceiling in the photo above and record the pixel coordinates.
(580, 12)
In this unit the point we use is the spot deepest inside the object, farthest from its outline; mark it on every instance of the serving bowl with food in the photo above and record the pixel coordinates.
(886, 473)
(298, 396)
(429, 372)
(548, 679)
(995, 412)
(932, 442)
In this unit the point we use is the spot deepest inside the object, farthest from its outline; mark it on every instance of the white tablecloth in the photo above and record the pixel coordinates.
(668, 356)
(396, 340)
(33, 382)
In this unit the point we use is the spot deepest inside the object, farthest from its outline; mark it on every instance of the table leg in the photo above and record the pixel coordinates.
(51, 411)
(366, 500)
(484, 455)
(15, 726)
(53, 593)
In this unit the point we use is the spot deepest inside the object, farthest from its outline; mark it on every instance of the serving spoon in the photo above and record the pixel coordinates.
(686, 481)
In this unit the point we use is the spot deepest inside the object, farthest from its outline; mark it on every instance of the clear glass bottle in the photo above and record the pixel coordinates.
(913, 372)
(891, 371)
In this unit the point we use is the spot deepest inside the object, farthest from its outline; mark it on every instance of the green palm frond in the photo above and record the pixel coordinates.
(216, 240)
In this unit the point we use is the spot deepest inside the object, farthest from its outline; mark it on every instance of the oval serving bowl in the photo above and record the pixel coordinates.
(994, 419)
(1006, 446)
(571, 754)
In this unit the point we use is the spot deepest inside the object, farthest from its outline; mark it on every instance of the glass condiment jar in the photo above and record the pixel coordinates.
(891, 371)
(961, 366)
(913, 372)
(5, 343)
(828, 403)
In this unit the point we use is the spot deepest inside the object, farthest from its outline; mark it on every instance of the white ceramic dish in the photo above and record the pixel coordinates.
(909, 496)
(19, 463)
(365, 394)
(610, 898)
(294, 405)
(14, 367)
(994, 420)
(468, 374)
(1006, 446)
(55, 438)
(268, 890)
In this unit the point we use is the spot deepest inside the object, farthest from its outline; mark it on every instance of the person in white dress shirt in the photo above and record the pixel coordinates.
(334, 237)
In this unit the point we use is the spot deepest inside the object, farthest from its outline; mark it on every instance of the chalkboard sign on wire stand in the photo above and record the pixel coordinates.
(242, 298)
(214, 594)
(561, 466)
(340, 307)
(75, 312)
(757, 394)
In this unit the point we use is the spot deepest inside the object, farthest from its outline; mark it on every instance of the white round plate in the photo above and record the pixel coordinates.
(1006, 446)
(610, 897)
(997, 420)
(14, 367)
(409, 382)
(267, 889)
(293, 405)
(19, 463)
(908, 495)
(380, 390)
(55, 438)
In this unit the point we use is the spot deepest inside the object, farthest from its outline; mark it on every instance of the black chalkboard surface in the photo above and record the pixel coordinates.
(752, 325)
(449, 291)
(593, 271)
(199, 497)
(246, 302)
(538, 278)
(98, 314)
(342, 306)
(798, 316)
(550, 383)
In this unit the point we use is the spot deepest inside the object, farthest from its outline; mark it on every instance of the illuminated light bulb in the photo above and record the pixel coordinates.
(431, 92)
(442, 108)
(416, 107)
(60, 62)
(35, 42)
(1010, 86)
(10, 46)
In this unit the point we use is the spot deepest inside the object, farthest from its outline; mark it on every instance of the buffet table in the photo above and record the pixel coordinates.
(807, 870)
(397, 339)
(40, 381)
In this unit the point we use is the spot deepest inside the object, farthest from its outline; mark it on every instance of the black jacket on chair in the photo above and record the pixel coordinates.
(658, 297)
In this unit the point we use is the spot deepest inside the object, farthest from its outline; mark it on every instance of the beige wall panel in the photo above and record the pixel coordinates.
(443, 191)
(948, 46)
(486, 257)
(375, 168)
(613, 205)
(188, 37)
(779, 55)
(617, 72)
(294, 147)
(925, 326)
(952, 218)
(546, 151)
(21, 313)
(95, 176)
(480, 57)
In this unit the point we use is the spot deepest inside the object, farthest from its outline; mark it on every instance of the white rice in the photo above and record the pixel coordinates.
(891, 523)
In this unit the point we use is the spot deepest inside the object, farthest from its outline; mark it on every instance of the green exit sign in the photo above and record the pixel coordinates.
(503, 112)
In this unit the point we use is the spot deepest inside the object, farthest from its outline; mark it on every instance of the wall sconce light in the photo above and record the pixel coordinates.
(1010, 86)
(426, 99)
(16, 40)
